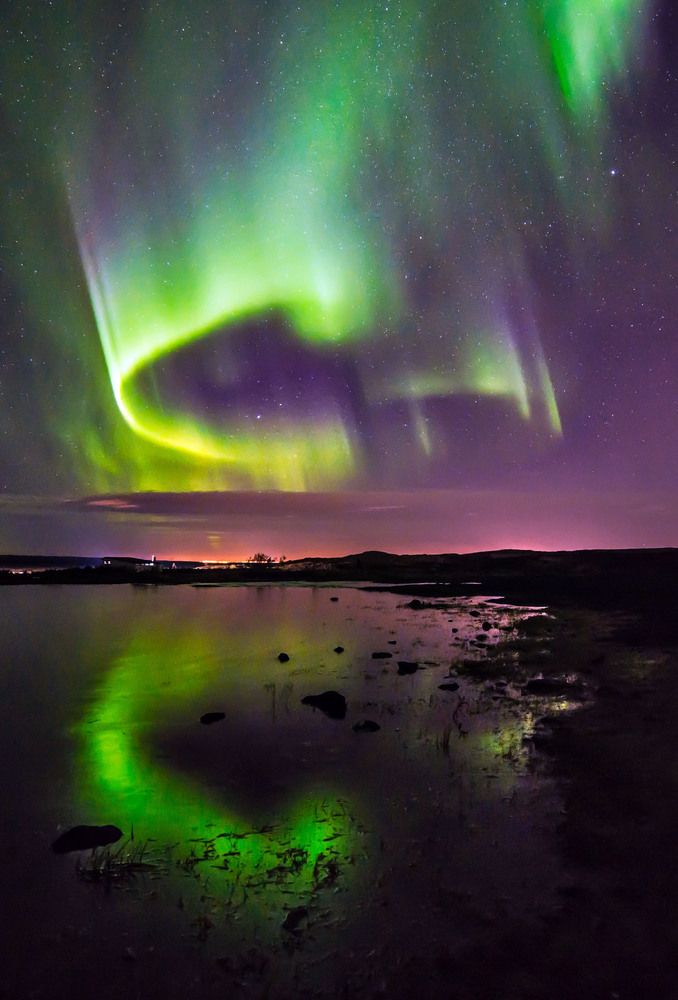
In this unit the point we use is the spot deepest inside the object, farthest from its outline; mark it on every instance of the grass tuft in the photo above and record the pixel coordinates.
(118, 862)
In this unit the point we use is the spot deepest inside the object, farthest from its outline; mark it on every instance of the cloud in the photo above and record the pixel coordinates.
(115, 503)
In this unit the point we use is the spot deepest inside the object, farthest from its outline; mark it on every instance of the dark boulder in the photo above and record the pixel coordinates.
(331, 703)
(368, 726)
(381, 656)
(294, 918)
(338, 649)
(209, 717)
(283, 657)
(553, 686)
(85, 838)
(449, 686)
(407, 667)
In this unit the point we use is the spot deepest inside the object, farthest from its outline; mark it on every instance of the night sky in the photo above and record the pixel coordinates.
(325, 276)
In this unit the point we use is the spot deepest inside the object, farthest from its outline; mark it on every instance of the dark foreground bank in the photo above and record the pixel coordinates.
(598, 576)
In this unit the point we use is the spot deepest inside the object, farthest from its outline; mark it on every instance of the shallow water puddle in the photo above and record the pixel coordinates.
(277, 835)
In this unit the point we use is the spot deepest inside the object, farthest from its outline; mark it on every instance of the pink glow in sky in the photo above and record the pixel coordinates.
(215, 526)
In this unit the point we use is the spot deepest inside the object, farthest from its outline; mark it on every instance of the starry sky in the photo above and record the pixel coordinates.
(317, 277)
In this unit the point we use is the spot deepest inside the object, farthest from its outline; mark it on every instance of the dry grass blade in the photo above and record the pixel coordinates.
(110, 864)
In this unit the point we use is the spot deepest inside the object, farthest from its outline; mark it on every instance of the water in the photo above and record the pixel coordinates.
(408, 841)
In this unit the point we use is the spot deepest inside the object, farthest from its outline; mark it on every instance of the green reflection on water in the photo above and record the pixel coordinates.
(444, 765)
(156, 684)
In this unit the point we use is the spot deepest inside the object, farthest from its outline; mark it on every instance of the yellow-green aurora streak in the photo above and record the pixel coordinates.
(323, 163)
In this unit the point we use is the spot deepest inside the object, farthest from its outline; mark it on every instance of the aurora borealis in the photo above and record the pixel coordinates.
(338, 248)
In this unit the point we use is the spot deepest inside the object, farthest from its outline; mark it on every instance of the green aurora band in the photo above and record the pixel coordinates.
(374, 175)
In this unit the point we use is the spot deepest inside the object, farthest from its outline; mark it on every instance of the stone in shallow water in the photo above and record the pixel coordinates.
(210, 717)
(85, 838)
(294, 918)
(553, 686)
(367, 726)
(407, 667)
(331, 703)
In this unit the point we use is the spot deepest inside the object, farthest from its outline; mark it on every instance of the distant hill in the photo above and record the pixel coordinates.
(47, 562)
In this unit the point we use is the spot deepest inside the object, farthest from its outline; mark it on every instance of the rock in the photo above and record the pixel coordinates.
(487, 626)
(449, 686)
(85, 838)
(293, 918)
(330, 703)
(334, 598)
(474, 614)
(540, 741)
(209, 717)
(416, 604)
(553, 685)
(382, 656)
(338, 649)
(283, 657)
(543, 685)
(407, 667)
(367, 726)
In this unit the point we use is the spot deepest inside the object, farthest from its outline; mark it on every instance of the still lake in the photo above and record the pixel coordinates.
(277, 850)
